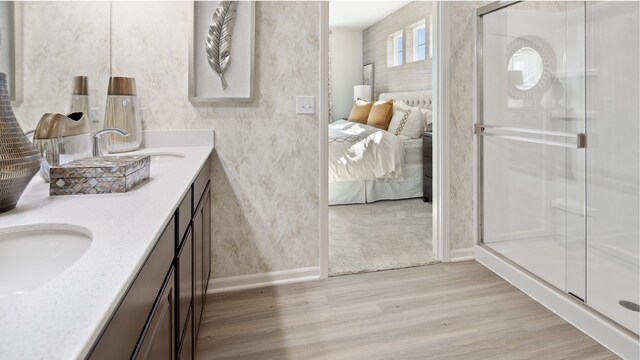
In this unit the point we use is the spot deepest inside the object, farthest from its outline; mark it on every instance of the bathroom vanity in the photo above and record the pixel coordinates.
(138, 289)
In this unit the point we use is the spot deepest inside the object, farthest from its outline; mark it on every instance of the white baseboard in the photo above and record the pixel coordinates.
(252, 281)
(579, 315)
(462, 254)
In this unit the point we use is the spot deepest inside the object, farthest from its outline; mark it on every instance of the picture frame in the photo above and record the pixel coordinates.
(368, 75)
(204, 83)
(11, 47)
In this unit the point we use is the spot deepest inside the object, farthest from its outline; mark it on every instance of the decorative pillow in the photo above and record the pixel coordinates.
(360, 111)
(407, 122)
(427, 115)
(380, 115)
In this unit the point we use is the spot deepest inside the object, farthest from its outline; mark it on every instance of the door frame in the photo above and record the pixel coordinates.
(441, 168)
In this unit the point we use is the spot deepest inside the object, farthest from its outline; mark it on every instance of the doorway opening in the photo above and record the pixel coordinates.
(381, 144)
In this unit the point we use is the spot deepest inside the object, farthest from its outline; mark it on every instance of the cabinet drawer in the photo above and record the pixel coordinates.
(200, 184)
(118, 339)
(184, 217)
(185, 280)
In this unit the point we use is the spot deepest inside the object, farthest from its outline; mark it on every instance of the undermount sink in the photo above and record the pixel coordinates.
(31, 256)
(156, 157)
(163, 158)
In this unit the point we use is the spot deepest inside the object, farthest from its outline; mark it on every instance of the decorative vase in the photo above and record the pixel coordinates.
(121, 112)
(80, 96)
(19, 158)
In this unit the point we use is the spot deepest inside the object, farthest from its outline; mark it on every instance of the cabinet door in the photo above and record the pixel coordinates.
(120, 337)
(157, 341)
(186, 349)
(185, 280)
(206, 248)
(198, 237)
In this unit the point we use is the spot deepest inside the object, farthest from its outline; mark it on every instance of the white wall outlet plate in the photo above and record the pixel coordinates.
(305, 105)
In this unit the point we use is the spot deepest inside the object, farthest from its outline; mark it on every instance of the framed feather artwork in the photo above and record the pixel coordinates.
(221, 53)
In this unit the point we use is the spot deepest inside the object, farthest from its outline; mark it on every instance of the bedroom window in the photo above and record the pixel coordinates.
(398, 52)
(395, 49)
(419, 43)
(418, 40)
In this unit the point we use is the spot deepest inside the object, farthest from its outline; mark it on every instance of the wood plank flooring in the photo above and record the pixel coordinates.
(444, 311)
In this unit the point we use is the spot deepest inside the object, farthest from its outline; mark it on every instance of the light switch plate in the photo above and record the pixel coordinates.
(94, 114)
(305, 105)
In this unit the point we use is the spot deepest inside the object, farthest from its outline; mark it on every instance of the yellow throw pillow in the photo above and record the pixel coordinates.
(360, 111)
(380, 115)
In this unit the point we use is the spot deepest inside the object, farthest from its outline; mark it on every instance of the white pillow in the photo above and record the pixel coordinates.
(407, 122)
(427, 116)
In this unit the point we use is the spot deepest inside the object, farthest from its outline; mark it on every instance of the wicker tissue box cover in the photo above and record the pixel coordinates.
(99, 175)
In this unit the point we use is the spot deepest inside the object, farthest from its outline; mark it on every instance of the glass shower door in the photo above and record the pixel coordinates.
(613, 123)
(559, 147)
(532, 127)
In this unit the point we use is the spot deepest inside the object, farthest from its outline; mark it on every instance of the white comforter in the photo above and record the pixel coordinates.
(362, 152)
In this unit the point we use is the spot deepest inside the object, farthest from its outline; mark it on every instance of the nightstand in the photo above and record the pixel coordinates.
(427, 166)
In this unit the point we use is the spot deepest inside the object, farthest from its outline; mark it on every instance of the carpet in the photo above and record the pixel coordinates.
(379, 236)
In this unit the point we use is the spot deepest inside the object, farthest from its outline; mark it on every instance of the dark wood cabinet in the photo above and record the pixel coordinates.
(184, 279)
(183, 217)
(185, 351)
(120, 337)
(427, 166)
(206, 246)
(202, 259)
(159, 316)
(198, 240)
(158, 339)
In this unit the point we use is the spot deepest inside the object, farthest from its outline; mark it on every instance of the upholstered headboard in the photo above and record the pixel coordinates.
(420, 99)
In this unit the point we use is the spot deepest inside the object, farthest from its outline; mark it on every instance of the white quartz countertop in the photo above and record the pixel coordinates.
(62, 318)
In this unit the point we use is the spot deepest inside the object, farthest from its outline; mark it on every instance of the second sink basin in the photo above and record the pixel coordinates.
(156, 157)
(163, 158)
(31, 256)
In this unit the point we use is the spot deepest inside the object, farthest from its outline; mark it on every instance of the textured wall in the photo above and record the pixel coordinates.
(265, 205)
(5, 41)
(345, 45)
(61, 40)
(461, 121)
(406, 77)
(265, 169)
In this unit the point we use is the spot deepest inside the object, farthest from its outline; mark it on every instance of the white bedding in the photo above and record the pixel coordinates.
(412, 151)
(362, 152)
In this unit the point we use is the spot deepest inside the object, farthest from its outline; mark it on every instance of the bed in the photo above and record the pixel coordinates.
(389, 167)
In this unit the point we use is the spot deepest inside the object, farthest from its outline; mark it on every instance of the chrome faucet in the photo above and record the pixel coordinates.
(98, 135)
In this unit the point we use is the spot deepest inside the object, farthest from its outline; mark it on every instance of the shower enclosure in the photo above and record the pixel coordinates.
(557, 143)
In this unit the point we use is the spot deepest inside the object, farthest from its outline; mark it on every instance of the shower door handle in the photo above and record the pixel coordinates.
(499, 132)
